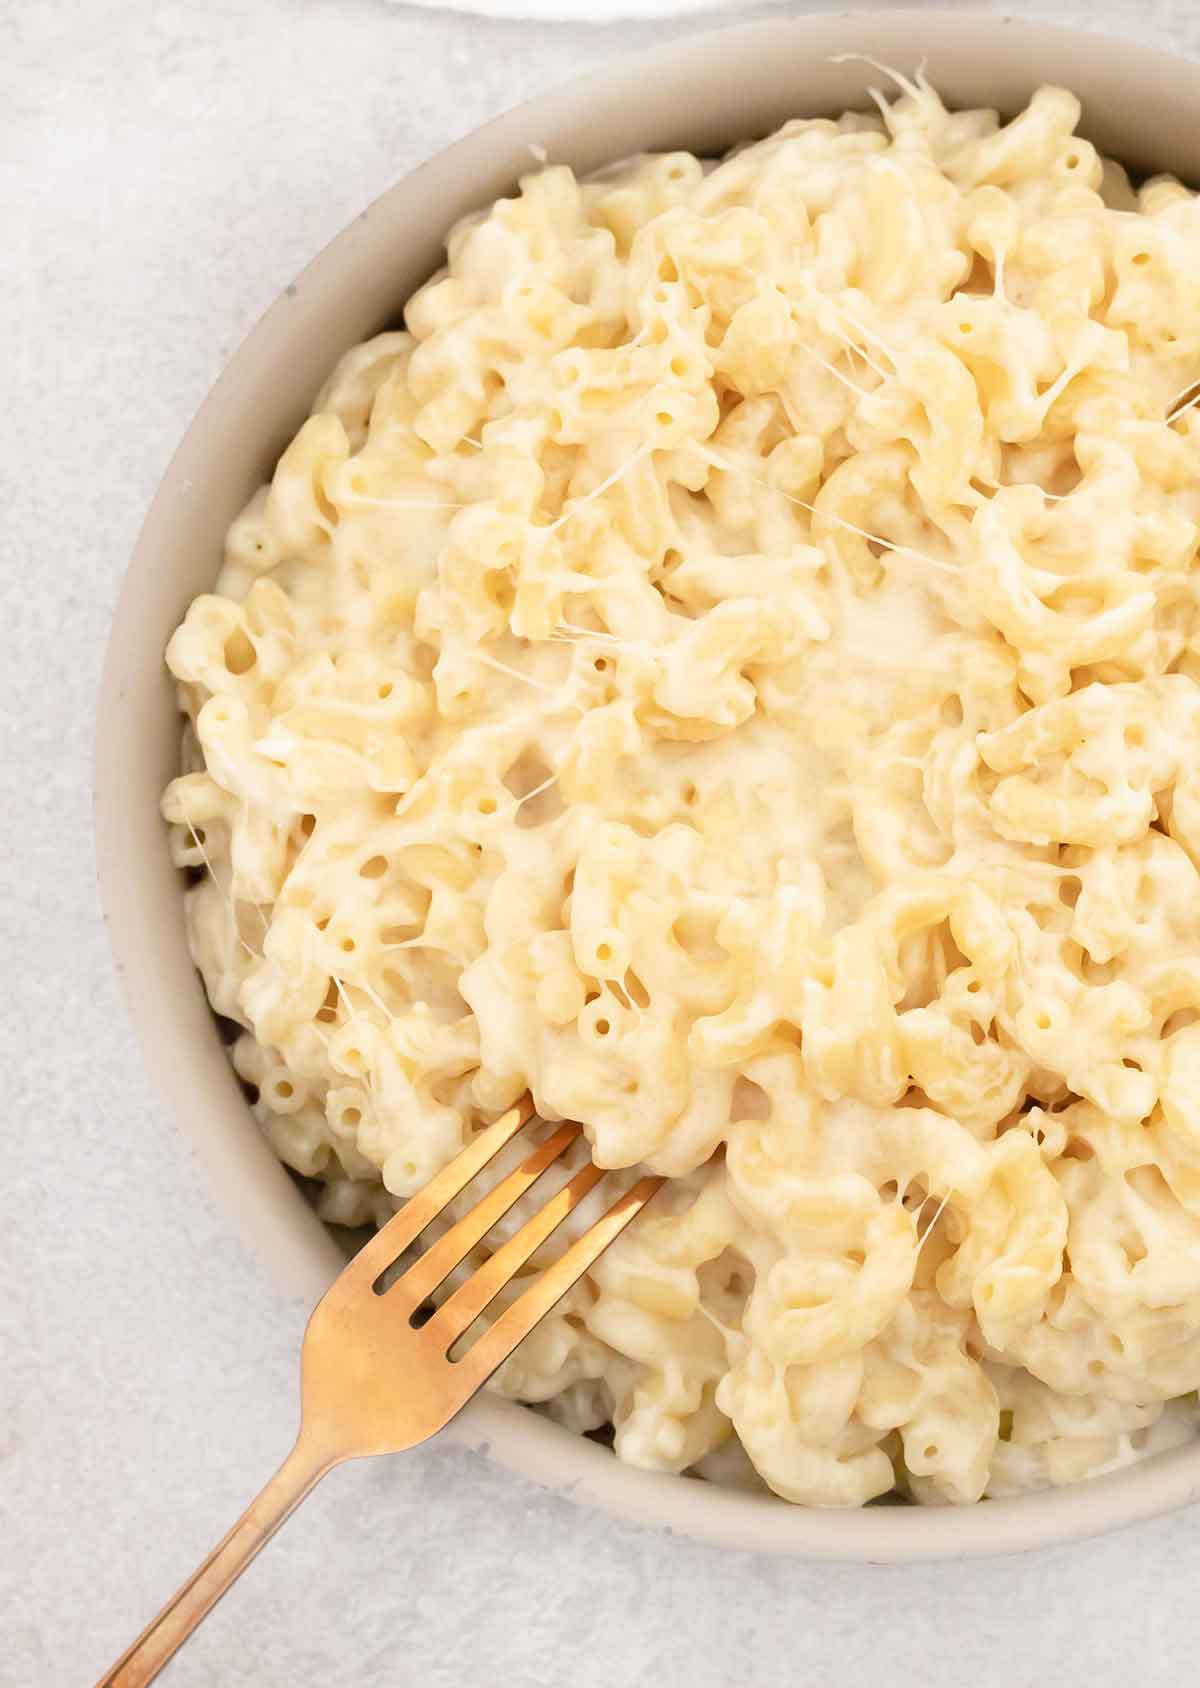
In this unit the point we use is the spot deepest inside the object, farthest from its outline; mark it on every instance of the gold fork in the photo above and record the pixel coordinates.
(374, 1382)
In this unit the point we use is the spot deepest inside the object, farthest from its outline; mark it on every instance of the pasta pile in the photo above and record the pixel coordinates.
(731, 667)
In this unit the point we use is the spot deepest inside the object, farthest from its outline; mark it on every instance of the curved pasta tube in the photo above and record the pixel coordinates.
(1011, 1256)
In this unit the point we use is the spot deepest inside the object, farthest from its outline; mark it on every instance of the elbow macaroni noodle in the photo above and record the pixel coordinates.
(731, 667)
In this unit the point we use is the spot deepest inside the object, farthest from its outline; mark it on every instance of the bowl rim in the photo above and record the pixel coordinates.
(280, 1231)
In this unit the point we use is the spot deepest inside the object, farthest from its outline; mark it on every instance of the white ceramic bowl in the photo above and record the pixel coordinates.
(704, 93)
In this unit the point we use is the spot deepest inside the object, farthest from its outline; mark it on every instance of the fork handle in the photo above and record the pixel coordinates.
(300, 1472)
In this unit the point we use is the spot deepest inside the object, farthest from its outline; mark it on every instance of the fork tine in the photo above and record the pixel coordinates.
(461, 1309)
(516, 1322)
(406, 1226)
(440, 1259)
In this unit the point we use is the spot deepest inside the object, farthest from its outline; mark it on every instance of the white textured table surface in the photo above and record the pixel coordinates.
(166, 166)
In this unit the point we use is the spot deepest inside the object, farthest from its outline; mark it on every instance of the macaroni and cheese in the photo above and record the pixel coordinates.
(730, 667)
